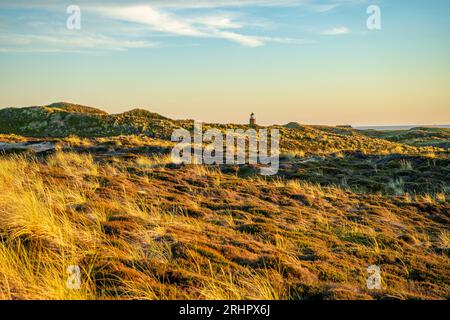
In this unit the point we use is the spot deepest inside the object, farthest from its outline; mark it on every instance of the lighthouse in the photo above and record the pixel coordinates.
(252, 120)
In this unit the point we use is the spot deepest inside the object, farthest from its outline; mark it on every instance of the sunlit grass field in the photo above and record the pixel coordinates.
(139, 228)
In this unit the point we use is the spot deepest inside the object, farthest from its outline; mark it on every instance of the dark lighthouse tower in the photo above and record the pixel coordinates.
(252, 120)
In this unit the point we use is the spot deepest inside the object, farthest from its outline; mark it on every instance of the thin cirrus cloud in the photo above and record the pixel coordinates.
(204, 19)
(222, 3)
(189, 4)
(336, 31)
(324, 7)
(157, 17)
(202, 27)
(65, 42)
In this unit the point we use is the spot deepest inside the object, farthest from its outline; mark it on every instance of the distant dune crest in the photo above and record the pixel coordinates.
(63, 119)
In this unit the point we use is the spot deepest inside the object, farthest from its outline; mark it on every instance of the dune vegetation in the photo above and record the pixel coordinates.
(141, 227)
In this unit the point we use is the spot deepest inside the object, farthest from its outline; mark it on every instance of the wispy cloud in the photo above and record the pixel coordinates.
(244, 40)
(213, 26)
(336, 31)
(324, 7)
(153, 17)
(67, 43)
(124, 26)
(174, 4)
(224, 3)
(220, 21)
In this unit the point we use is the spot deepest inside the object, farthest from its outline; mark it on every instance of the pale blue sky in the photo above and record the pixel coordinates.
(296, 60)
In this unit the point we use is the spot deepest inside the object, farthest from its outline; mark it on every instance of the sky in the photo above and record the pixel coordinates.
(308, 61)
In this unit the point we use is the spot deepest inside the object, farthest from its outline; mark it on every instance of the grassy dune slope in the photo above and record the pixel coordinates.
(107, 198)
(140, 230)
(435, 137)
(62, 120)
